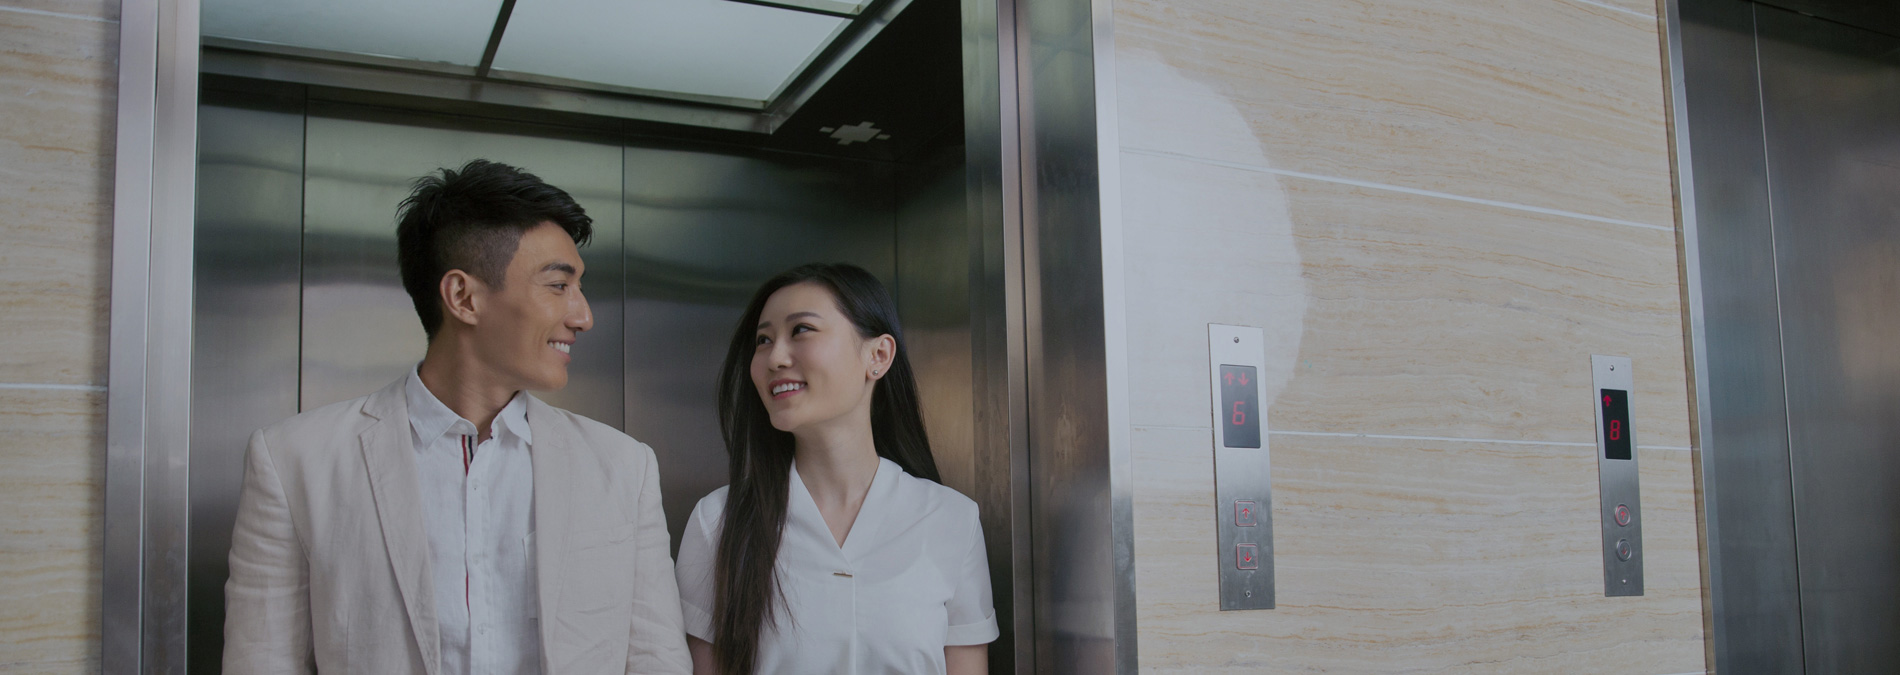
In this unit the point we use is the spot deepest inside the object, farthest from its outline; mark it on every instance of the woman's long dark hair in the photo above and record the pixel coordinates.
(760, 456)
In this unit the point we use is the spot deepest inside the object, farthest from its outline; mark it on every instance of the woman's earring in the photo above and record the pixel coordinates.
(875, 372)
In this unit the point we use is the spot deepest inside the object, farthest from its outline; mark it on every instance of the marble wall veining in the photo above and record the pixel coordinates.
(1437, 210)
(58, 81)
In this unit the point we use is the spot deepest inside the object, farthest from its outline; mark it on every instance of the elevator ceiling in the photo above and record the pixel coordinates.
(738, 53)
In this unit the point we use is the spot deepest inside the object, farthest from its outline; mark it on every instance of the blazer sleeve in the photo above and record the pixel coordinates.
(657, 643)
(267, 599)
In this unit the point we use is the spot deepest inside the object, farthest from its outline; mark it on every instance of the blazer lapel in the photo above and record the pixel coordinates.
(389, 453)
(549, 457)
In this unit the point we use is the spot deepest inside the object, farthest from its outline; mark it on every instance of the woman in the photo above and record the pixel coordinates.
(833, 549)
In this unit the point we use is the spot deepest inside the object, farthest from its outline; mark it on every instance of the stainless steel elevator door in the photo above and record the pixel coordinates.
(360, 330)
(1831, 110)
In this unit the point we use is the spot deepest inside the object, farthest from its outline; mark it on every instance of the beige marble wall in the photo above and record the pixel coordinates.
(1437, 210)
(58, 77)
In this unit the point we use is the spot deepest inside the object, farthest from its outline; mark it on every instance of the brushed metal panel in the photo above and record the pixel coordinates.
(1619, 493)
(1243, 473)
(705, 225)
(168, 380)
(1831, 102)
(933, 300)
(135, 147)
(992, 190)
(245, 325)
(360, 330)
(1081, 550)
(1729, 280)
(148, 402)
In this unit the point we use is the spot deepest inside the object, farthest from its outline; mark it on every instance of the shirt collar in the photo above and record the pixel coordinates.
(430, 418)
(802, 511)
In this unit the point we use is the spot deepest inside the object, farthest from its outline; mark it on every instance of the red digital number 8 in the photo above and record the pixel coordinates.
(1616, 430)
(1240, 416)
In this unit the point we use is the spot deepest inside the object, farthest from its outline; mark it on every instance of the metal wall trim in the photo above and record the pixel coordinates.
(993, 193)
(1739, 414)
(1115, 333)
(327, 56)
(280, 68)
(1689, 269)
(149, 368)
(125, 369)
(1075, 333)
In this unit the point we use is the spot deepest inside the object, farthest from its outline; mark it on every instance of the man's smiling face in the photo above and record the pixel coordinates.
(527, 326)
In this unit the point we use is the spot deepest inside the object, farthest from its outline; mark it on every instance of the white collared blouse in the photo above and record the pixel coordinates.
(911, 578)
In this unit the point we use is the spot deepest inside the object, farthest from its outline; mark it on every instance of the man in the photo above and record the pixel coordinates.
(452, 524)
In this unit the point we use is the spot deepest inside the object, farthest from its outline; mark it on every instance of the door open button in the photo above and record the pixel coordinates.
(1244, 513)
(1246, 557)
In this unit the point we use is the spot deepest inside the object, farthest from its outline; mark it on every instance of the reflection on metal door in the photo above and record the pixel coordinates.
(1791, 202)
(245, 316)
(1831, 104)
(360, 330)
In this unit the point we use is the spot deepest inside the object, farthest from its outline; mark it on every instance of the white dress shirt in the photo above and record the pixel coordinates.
(911, 578)
(478, 508)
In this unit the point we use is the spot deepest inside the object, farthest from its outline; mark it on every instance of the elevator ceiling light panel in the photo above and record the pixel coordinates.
(761, 57)
(718, 49)
(428, 31)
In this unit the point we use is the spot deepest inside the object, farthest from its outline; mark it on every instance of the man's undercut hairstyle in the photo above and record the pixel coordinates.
(471, 219)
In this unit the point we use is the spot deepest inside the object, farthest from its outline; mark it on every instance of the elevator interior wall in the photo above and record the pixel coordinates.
(300, 304)
(704, 230)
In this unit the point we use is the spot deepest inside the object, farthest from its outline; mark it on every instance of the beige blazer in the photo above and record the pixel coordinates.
(330, 568)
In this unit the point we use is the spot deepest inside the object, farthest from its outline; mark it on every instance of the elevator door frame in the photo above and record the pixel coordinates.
(1049, 337)
(1746, 420)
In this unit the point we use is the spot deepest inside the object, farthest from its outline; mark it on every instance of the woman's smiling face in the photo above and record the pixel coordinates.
(809, 363)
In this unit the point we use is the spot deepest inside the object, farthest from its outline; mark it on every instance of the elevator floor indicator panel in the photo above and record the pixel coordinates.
(1622, 509)
(1243, 485)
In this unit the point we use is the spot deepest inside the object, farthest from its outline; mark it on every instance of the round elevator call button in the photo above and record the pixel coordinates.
(1624, 550)
(1622, 515)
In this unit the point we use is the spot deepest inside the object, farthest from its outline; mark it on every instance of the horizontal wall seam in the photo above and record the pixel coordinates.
(1395, 188)
(62, 15)
(42, 386)
(1614, 8)
(1399, 437)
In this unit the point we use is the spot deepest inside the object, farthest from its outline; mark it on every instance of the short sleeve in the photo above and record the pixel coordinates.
(695, 568)
(971, 608)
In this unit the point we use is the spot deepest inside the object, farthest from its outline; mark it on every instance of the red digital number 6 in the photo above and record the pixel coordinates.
(1240, 416)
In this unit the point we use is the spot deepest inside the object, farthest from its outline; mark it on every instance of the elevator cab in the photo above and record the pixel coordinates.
(714, 143)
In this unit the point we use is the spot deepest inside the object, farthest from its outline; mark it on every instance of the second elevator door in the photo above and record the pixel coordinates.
(1830, 102)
